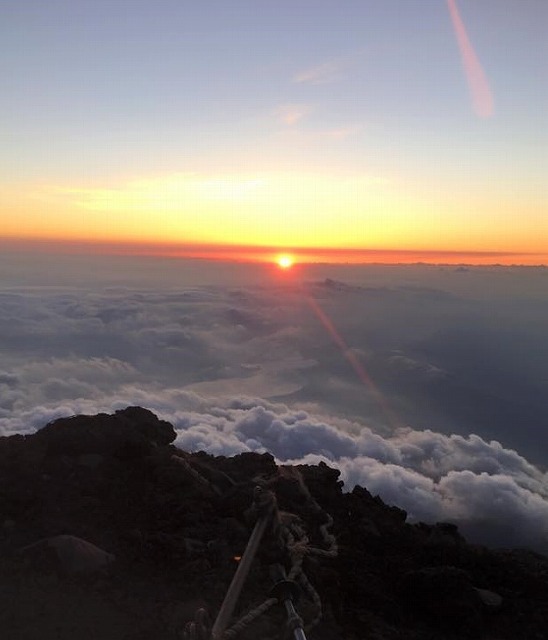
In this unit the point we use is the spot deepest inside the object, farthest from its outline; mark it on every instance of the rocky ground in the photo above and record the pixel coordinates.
(107, 531)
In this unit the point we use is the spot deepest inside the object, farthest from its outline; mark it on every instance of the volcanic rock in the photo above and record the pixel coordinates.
(129, 428)
(67, 554)
(110, 531)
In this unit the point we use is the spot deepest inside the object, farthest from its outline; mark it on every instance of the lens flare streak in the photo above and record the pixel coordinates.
(482, 97)
(354, 362)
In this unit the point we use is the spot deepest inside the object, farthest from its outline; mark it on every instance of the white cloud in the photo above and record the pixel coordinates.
(491, 492)
(320, 74)
(214, 360)
(295, 135)
(408, 364)
(290, 114)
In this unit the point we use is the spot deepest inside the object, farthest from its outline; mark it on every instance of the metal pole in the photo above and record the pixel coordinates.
(298, 632)
(285, 590)
(227, 608)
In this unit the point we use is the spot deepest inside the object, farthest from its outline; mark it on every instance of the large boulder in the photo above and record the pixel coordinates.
(66, 554)
(133, 427)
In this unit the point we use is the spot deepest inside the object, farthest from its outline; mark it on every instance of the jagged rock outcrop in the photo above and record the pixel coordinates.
(164, 527)
(105, 434)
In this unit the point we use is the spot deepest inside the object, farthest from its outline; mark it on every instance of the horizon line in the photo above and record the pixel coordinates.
(268, 253)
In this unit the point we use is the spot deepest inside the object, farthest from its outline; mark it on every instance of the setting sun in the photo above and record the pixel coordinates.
(284, 261)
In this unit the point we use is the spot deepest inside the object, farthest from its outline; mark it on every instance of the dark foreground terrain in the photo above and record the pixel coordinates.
(108, 532)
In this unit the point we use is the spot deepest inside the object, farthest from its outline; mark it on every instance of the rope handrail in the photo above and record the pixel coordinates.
(265, 503)
(296, 545)
(249, 617)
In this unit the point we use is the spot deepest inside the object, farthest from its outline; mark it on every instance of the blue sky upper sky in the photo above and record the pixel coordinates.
(302, 103)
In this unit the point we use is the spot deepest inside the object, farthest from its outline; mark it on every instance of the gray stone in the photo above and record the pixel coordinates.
(68, 554)
(490, 599)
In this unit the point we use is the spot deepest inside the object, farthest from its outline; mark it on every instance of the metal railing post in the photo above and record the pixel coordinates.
(286, 591)
(265, 503)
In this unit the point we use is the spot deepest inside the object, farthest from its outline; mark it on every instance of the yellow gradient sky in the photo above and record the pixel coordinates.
(377, 128)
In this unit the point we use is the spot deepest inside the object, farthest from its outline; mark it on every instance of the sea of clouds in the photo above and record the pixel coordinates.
(446, 419)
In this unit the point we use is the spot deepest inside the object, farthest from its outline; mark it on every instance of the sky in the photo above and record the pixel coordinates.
(156, 159)
(425, 384)
(359, 131)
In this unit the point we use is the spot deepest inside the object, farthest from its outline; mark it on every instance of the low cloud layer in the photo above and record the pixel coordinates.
(495, 495)
(444, 424)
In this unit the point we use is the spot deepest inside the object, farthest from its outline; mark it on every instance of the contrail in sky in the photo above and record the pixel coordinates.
(479, 87)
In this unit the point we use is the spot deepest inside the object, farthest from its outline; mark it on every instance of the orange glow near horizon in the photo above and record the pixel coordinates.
(429, 151)
(314, 217)
(311, 210)
(265, 254)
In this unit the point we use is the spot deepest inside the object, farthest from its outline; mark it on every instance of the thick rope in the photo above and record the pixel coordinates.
(314, 597)
(294, 539)
(249, 617)
(298, 549)
(264, 505)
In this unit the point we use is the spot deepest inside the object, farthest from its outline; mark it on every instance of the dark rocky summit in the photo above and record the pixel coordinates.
(108, 531)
